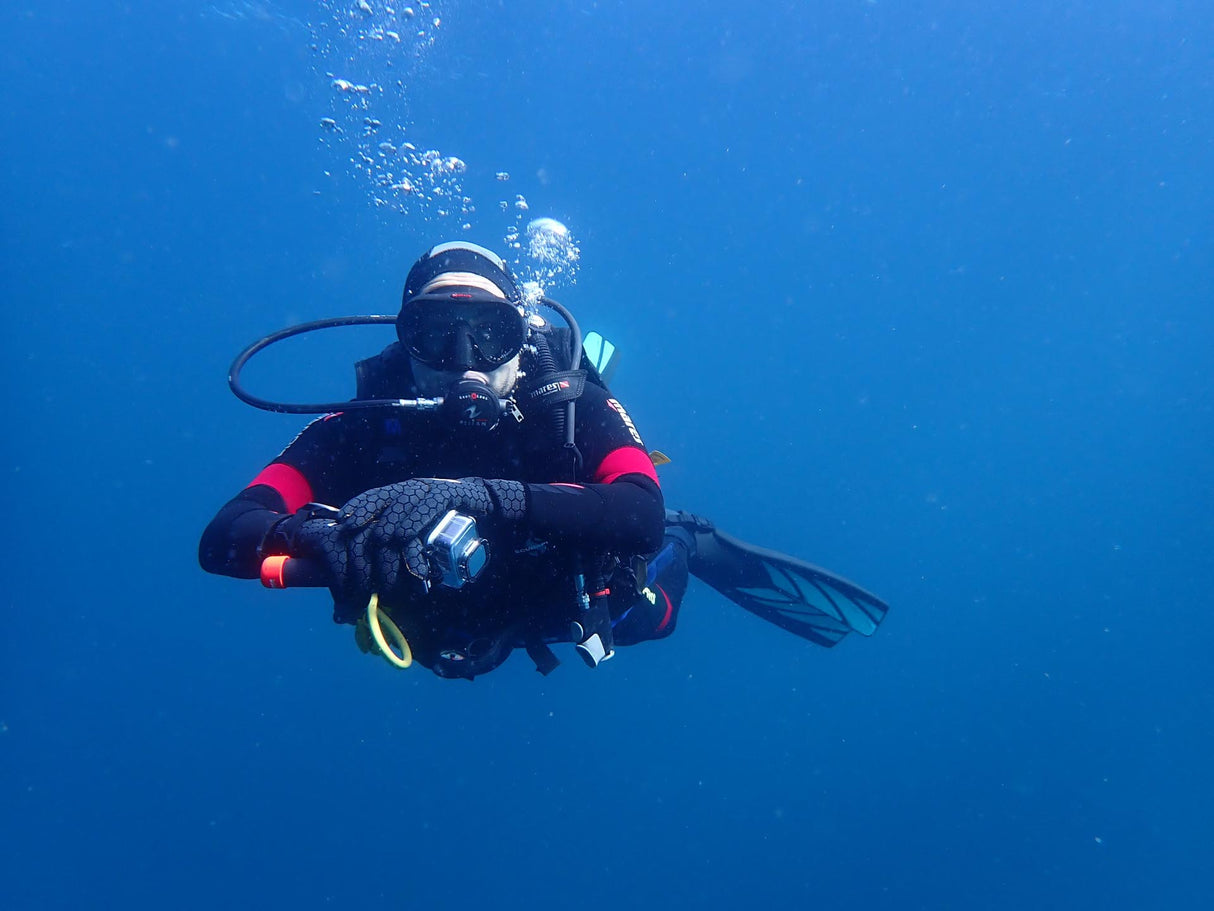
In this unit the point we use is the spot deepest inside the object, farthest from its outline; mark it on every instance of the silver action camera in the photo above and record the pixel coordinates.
(456, 550)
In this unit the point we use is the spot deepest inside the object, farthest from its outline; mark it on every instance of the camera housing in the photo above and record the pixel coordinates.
(456, 549)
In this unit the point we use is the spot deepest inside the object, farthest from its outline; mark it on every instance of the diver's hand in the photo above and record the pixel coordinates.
(311, 536)
(375, 543)
(378, 543)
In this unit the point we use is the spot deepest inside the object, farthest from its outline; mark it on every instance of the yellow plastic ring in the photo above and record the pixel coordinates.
(374, 619)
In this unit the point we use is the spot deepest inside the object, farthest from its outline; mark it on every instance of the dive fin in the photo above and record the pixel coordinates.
(602, 354)
(794, 595)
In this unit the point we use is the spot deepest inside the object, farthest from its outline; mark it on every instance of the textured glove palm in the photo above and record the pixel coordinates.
(378, 543)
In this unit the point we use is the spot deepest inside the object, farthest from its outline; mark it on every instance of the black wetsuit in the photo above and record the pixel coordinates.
(612, 505)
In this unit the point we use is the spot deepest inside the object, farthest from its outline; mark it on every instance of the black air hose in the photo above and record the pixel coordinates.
(547, 366)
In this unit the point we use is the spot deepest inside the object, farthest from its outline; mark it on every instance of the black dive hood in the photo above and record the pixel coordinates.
(555, 378)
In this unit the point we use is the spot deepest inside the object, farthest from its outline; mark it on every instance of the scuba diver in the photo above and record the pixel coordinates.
(495, 496)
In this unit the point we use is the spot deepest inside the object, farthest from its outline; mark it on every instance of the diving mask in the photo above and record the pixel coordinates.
(461, 330)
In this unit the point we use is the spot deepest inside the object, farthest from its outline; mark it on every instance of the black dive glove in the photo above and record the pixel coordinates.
(375, 543)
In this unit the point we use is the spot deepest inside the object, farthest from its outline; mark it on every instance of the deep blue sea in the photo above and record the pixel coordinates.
(922, 292)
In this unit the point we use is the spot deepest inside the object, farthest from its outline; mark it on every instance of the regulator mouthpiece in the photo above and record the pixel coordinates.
(471, 403)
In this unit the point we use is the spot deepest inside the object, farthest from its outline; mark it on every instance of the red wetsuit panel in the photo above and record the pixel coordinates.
(292, 486)
(622, 461)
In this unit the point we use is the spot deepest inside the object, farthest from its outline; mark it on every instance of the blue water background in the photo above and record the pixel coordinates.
(918, 291)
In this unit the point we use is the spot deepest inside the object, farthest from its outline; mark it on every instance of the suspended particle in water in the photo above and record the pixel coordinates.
(328, 123)
(502, 176)
(520, 203)
(365, 8)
